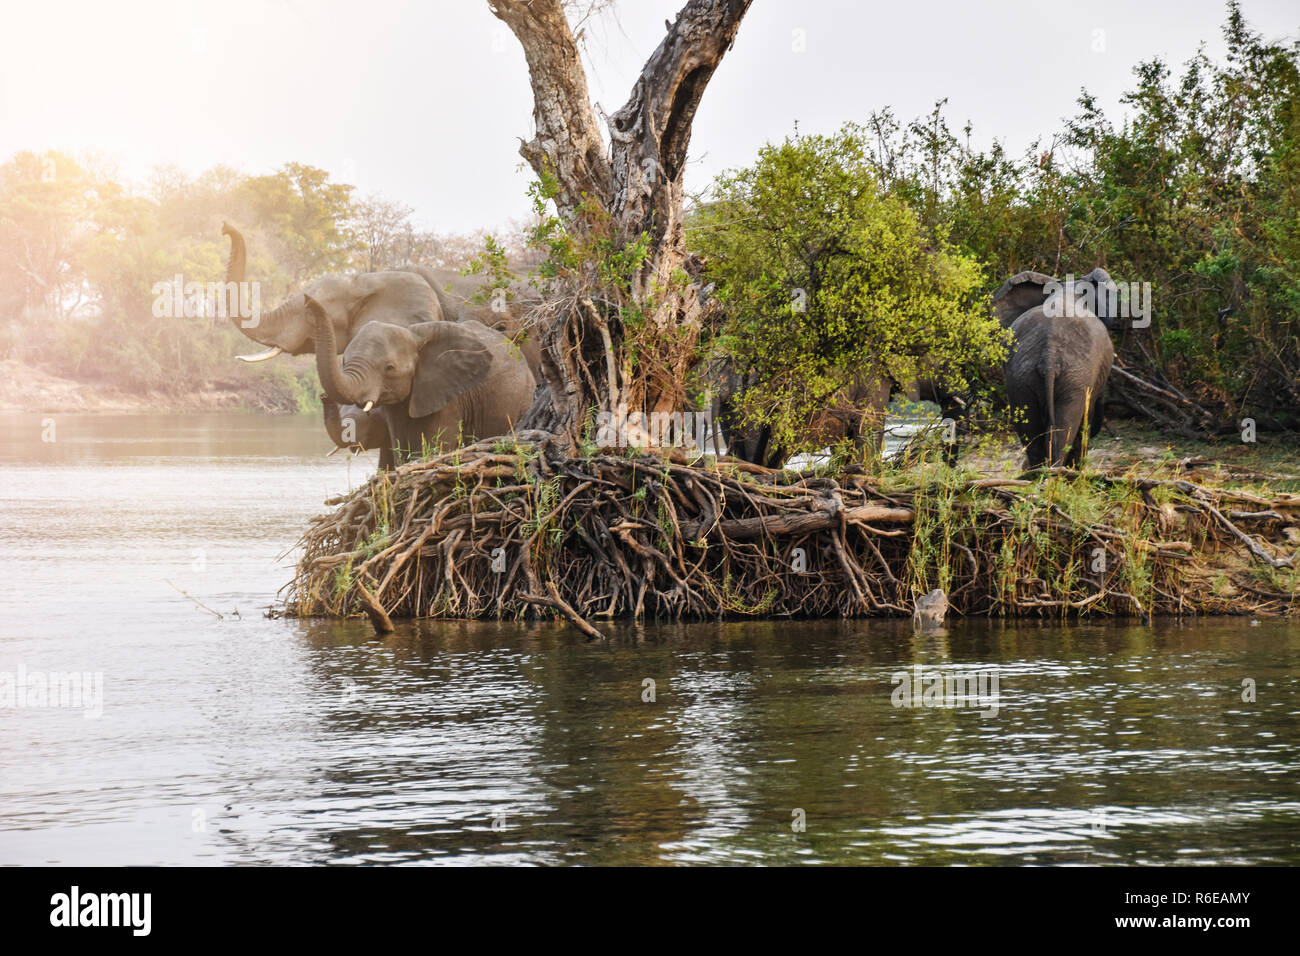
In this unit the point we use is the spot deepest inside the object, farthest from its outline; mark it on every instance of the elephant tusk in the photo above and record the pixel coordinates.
(270, 353)
(330, 453)
(369, 405)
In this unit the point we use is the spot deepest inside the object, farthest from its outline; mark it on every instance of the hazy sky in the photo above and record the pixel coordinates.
(425, 101)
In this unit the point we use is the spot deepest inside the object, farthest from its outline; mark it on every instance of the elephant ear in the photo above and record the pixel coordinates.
(390, 297)
(1022, 292)
(451, 361)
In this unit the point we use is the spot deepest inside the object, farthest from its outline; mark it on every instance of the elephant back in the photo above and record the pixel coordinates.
(1022, 292)
(456, 293)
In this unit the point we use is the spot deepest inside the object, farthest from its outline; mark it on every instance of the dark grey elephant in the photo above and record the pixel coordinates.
(436, 384)
(349, 302)
(754, 444)
(354, 429)
(1018, 294)
(1060, 361)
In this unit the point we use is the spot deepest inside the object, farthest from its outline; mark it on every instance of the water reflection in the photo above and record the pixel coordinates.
(240, 738)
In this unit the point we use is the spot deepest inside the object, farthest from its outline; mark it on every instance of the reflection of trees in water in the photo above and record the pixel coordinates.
(424, 738)
(447, 723)
(613, 796)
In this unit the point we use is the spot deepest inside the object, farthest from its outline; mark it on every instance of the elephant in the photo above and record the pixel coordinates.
(436, 384)
(349, 302)
(402, 296)
(1060, 361)
(353, 429)
(1021, 292)
(754, 444)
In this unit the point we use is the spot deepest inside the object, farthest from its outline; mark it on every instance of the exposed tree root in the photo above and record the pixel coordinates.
(516, 528)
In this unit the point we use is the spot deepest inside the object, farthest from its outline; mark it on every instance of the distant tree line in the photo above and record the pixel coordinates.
(81, 250)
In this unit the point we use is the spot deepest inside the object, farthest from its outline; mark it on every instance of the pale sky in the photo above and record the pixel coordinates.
(424, 102)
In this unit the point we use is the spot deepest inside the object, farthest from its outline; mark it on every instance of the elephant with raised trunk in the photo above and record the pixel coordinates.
(404, 296)
(436, 384)
(1060, 361)
(349, 302)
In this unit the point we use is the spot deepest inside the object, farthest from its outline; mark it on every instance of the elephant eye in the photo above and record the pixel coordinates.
(390, 368)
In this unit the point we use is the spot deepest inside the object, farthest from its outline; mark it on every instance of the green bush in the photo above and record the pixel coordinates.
(829, 282)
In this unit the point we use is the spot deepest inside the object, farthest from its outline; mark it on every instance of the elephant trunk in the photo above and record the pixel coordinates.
(238, 262)
(236, 270)
(333, 419)
(333, 424)
(338, 386)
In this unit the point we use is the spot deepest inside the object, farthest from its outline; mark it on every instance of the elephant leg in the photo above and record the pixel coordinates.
(1033, 431)
(867, 424)
(1065, 434)
(769, 454)
(855, 428)
(1036, 452)
(1071, 458)
(1075, 454)
(1029, 417)
(1028, 410)
(1095, 421)
(386, 462)
(869, 436)
(1058, 445)
(1096, 418)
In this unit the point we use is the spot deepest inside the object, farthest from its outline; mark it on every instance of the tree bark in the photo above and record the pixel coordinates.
(566, 142)
(631, 189)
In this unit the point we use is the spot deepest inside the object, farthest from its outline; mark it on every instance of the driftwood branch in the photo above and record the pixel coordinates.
(379, 618)
(518, 531)
(1174, 410)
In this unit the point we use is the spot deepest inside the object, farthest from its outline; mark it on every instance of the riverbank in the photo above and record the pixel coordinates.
(519, 530)
(28, 388)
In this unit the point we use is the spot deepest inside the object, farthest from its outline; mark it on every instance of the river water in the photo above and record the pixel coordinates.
(219, 735)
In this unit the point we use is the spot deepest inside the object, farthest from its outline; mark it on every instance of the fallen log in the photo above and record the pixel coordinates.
(741, 529)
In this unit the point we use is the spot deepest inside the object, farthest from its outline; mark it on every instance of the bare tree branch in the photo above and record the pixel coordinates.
(651, 132)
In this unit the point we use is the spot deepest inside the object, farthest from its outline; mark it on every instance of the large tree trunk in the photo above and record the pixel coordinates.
(632, 188)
